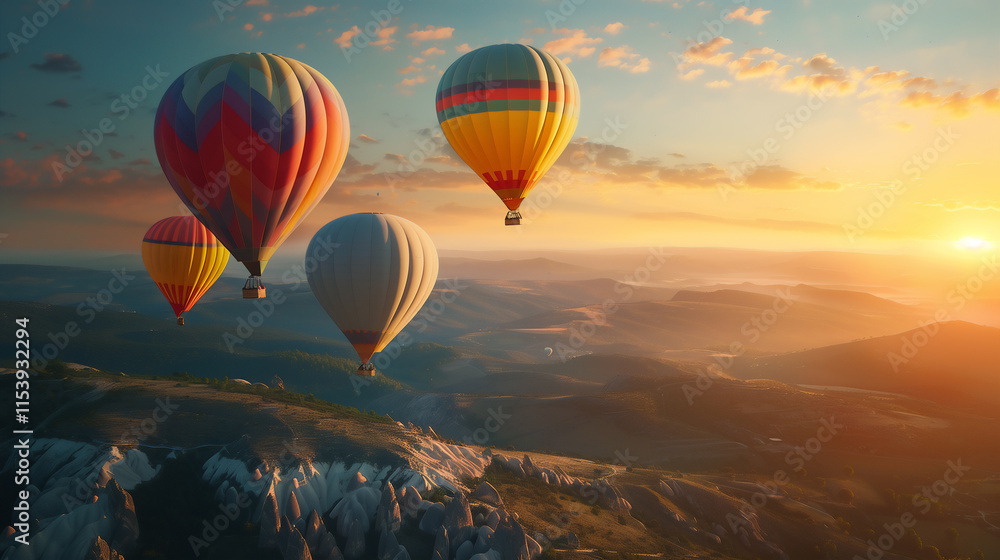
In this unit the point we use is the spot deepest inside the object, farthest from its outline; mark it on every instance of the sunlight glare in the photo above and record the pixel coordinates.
(973, 244)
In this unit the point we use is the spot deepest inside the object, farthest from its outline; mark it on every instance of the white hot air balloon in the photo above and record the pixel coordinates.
(379, 273)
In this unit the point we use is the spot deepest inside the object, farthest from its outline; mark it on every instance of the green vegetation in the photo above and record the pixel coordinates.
(57, 369)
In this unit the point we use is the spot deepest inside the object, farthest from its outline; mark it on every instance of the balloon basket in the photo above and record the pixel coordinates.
(254, 289)
(366, 370)
(180, 321)
(513, 218)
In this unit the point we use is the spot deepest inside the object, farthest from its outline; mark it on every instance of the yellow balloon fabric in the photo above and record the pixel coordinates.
(184, 259)
(508, 111)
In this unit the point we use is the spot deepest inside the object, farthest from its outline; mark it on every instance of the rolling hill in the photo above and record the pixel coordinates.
(953, 362)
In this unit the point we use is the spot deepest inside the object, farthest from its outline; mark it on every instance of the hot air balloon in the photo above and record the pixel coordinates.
(251, 142)
(377, 272)
(184, 259)
(509, 111)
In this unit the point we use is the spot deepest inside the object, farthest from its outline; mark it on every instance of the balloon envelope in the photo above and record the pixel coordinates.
(251, 142)
(508, 111)
(372, 273)
(184, 259)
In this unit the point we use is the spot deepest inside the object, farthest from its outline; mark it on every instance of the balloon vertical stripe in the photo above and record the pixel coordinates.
(251, 142)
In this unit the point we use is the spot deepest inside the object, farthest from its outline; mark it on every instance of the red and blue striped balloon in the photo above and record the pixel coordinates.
(251, 142)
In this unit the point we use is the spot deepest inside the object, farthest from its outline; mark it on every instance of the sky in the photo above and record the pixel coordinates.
(805, 125)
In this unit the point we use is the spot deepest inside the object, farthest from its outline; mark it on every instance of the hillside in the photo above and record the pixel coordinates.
(952, 362)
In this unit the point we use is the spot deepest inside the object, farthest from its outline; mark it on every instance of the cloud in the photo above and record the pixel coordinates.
(21, 136)
(407, 69)
(752, 223)
(956, 104)
(954, 205)
(58, 62)
(827, 77)
(384, 38)
(140, 161)
(614, 28)
(700, 176)
(693, 74)
(708, 52)
(615, 164)
(413, 81)
(353, 167)
(248, 26)
(716, 84)
(344, 40)
(430, 33)
(115, 154)
(308, 10)
(743, 14)
(463, 48)
(406, 83)
(763, 69)
(776, 177)
(367, 139)
(822, 73)
(575, 43)
(623, 57)
(433, 51)
(61, 102)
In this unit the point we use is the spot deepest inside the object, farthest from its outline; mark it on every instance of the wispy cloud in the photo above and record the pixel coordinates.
(756, 17)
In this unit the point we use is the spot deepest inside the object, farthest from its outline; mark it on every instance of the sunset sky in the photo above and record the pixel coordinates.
(760, 124)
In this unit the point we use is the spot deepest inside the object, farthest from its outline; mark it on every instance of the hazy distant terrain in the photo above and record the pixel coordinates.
(714, 367)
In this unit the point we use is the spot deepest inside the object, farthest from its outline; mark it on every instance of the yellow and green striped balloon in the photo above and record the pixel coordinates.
(509, 111)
